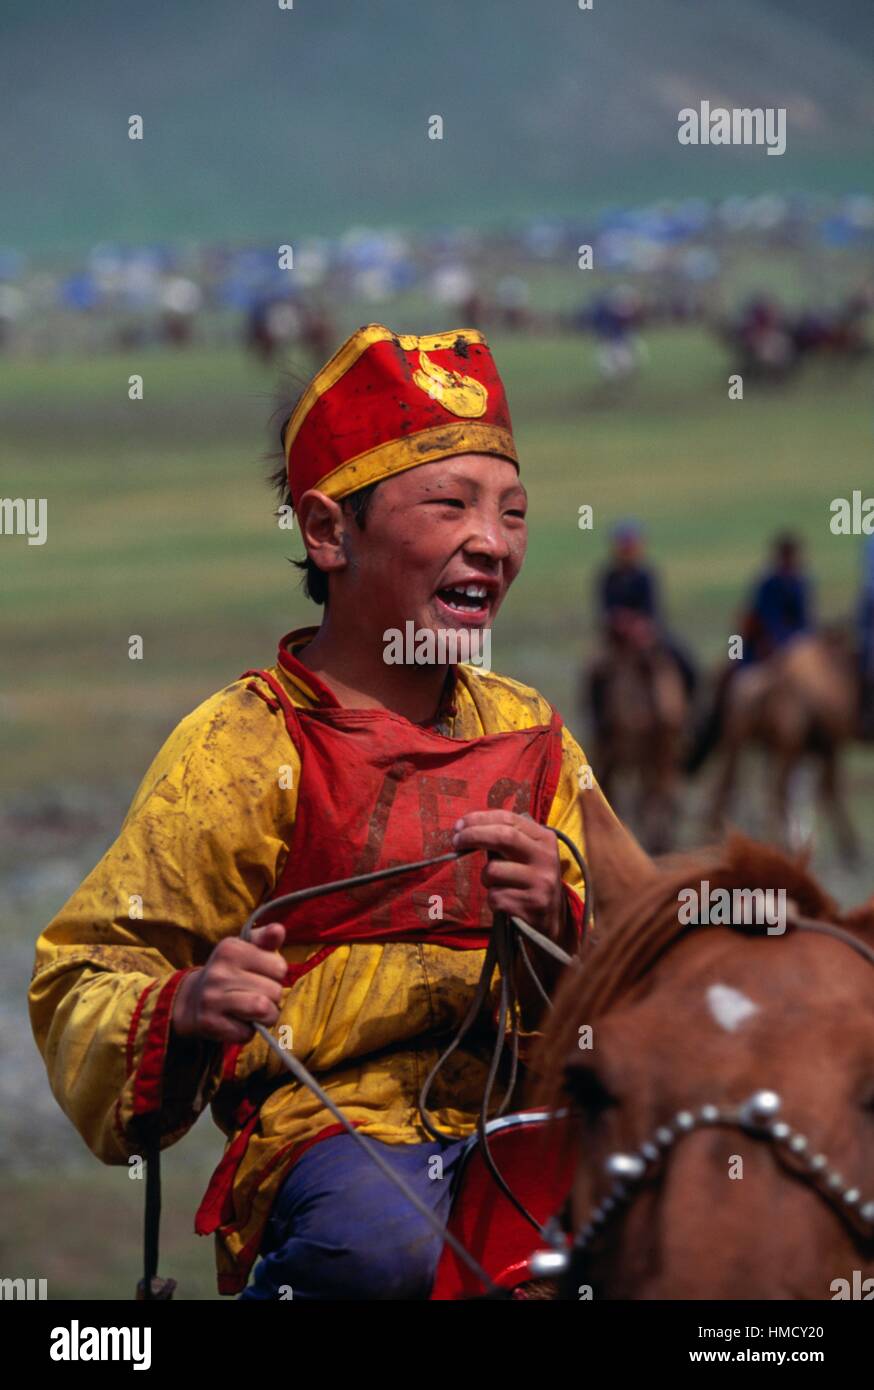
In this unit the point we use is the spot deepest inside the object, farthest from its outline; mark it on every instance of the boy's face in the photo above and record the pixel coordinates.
(433, 532)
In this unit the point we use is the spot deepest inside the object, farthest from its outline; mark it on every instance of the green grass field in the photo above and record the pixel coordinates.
(159, 525)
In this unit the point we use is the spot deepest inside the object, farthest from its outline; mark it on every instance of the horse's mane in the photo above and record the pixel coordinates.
(619, 953)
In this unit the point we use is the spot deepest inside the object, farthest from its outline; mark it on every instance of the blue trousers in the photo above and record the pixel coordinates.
(340, 1230)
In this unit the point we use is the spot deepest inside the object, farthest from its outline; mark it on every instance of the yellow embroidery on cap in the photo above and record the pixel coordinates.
(461, 395)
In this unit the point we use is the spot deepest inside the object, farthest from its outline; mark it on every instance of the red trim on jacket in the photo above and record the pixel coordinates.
(322, 693)
(229, 1062)
(134, 1025)
(149, 1079)
(576, 907)
(217, 1205)
(282, 702)
(271, 704)
(303, 967)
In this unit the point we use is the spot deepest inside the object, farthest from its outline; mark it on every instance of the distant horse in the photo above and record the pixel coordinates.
(837, 334)
(726, 1134)
(800, 704)
(317, 332)
(768, 343)
(761, 342)
(641, 713)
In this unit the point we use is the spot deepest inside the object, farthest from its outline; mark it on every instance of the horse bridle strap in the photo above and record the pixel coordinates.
(759, 1116)
(829, 929)
(498, 952)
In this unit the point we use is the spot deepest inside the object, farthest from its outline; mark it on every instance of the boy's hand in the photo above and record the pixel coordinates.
(241, 980)
(524, 879)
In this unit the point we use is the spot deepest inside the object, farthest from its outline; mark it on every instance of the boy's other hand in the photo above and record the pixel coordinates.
(242, 980)
(524, 877)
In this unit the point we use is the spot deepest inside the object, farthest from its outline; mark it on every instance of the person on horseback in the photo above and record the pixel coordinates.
(780, 608)
(628, 583)
(628, 605)
(339, 760)
(781, 604)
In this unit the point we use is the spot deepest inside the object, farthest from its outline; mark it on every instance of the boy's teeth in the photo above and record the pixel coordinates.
(465, 596)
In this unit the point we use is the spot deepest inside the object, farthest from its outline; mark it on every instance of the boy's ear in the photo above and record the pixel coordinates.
(322, 526)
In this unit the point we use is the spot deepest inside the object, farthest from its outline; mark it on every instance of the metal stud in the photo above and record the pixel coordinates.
(851, 1196)
(834, 1181)
(760, 1108)
(627, 1166)
(798, 1143)
(649, 1152)
(684, 1120)
(780, 1131)
(546, 1263)
(664, 1136)
(554, 1232)
(708, 1114)
(867, 1212)
(818, 1162)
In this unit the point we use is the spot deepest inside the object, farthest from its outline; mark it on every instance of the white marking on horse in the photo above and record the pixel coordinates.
(729, 1007)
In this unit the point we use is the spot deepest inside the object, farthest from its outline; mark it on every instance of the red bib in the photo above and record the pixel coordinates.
(376, 790)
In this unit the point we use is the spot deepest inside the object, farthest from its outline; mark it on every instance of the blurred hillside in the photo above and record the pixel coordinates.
(267, 123)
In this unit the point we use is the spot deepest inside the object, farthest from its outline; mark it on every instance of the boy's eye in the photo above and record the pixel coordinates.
(445, 502)
(517, 511)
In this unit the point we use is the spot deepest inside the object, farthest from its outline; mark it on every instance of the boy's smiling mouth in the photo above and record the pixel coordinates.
(470, 600)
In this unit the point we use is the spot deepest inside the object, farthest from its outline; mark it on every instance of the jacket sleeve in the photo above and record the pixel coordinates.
(200, 847)
(566, 814)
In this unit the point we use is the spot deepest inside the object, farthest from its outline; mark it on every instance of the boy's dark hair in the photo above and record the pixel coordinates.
(315, 581)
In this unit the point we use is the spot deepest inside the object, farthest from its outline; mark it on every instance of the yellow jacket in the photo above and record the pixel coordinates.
(204, 842)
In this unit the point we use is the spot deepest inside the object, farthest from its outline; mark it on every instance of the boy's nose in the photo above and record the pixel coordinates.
(488, 539)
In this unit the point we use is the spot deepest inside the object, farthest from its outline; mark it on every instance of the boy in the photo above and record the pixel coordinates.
(403, 474)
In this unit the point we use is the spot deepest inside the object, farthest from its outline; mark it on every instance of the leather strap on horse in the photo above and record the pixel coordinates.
(151, 1287)
(500, 953)
(829, 929)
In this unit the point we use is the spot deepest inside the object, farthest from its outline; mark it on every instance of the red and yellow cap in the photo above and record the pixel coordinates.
(391, 401)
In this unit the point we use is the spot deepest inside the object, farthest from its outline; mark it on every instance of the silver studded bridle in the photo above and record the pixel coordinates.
(759, 1115)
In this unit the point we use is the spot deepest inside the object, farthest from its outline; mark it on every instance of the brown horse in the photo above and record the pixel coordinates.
(727, 1097)
(801, 705)
(641, 714)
